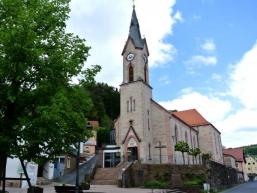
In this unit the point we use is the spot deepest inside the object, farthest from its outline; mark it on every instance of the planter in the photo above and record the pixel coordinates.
(71, 189)
(191, 189)
(35, 189)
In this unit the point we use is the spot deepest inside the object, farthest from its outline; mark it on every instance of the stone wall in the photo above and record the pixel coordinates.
(218, 175)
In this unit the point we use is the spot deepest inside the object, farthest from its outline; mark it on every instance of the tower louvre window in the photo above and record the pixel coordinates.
(131, 73)
(130, 100)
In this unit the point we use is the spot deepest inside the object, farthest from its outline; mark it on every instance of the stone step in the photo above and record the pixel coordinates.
(106, 174)
(104, 182)
(175, 191)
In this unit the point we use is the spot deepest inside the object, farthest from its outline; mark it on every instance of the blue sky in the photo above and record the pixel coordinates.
(203, 55)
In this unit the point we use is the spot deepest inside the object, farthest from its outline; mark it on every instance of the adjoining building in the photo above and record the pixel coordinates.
(239, 156)
(251, 166)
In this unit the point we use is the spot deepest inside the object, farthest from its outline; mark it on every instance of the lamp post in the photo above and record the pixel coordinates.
(78, 160)
(77, 167)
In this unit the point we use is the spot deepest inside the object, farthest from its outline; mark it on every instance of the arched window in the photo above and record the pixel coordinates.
(194, 145)
(186, 138)
(145, 71)
(131, 73)
(176, 134)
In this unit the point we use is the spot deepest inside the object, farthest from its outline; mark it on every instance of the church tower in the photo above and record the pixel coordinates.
(134, 133)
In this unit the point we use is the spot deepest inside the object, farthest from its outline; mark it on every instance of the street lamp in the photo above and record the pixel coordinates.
(78, 160)
(77, 167)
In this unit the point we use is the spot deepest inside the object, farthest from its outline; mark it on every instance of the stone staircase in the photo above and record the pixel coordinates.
(106, 176)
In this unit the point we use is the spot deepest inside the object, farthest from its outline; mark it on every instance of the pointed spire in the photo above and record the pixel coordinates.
(134, 31)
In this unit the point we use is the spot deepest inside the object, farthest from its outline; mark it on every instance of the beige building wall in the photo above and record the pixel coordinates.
(229, 161)
(161, 133)
(210, 142)
(192, 141)
(251, 165)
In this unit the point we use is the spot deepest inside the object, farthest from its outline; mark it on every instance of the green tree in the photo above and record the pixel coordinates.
(106, 101)
(194, 152)
(183, 147)
(41, 112)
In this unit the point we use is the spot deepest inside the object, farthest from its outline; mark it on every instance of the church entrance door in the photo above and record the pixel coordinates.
(132, 154)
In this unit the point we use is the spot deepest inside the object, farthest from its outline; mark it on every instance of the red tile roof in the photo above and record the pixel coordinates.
(191, 117)
(238, 153)
(94, 124)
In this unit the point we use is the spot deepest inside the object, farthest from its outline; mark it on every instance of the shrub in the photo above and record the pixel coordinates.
(156, 184)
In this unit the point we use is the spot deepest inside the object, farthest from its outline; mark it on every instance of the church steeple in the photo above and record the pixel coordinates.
(135, 54)
(134, 34)
(134, 31)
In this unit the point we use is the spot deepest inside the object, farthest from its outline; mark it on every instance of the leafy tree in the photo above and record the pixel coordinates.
(103, 136)
(106, 101)
(251, 150)
(206, 156)
(194, 152)
(183, 147)
(41, 112)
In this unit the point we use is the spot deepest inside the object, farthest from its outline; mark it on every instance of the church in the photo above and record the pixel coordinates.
(145, 130)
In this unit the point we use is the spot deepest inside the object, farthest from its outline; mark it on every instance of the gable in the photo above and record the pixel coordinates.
(136, 47)
(131, 133)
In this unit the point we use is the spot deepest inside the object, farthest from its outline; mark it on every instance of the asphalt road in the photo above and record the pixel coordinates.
(249, 187)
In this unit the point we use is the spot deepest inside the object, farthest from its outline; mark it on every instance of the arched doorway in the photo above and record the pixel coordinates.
(132, 150)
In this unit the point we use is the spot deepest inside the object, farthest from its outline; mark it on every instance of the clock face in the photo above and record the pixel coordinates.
(130, 56)
(145, 59)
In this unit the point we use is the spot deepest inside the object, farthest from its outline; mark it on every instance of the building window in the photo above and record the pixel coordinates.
(148, 124)
(176, 134)
(131, 73)
(194, 145)
(127, 106)
(68, 163)
(134, 105)
(145, 71)
(149, 148)
(186, 138)
(130, 100)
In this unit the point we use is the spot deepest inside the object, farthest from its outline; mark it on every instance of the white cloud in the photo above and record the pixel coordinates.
(216, 77)
(209, 46)
(212, 108)
(105, 26)
(239, 120)
(164, 80)
(244, 78)
(178, 16)
(200, 60)
(238, 126)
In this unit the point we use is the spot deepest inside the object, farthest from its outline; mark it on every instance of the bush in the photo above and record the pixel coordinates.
(156, 184)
